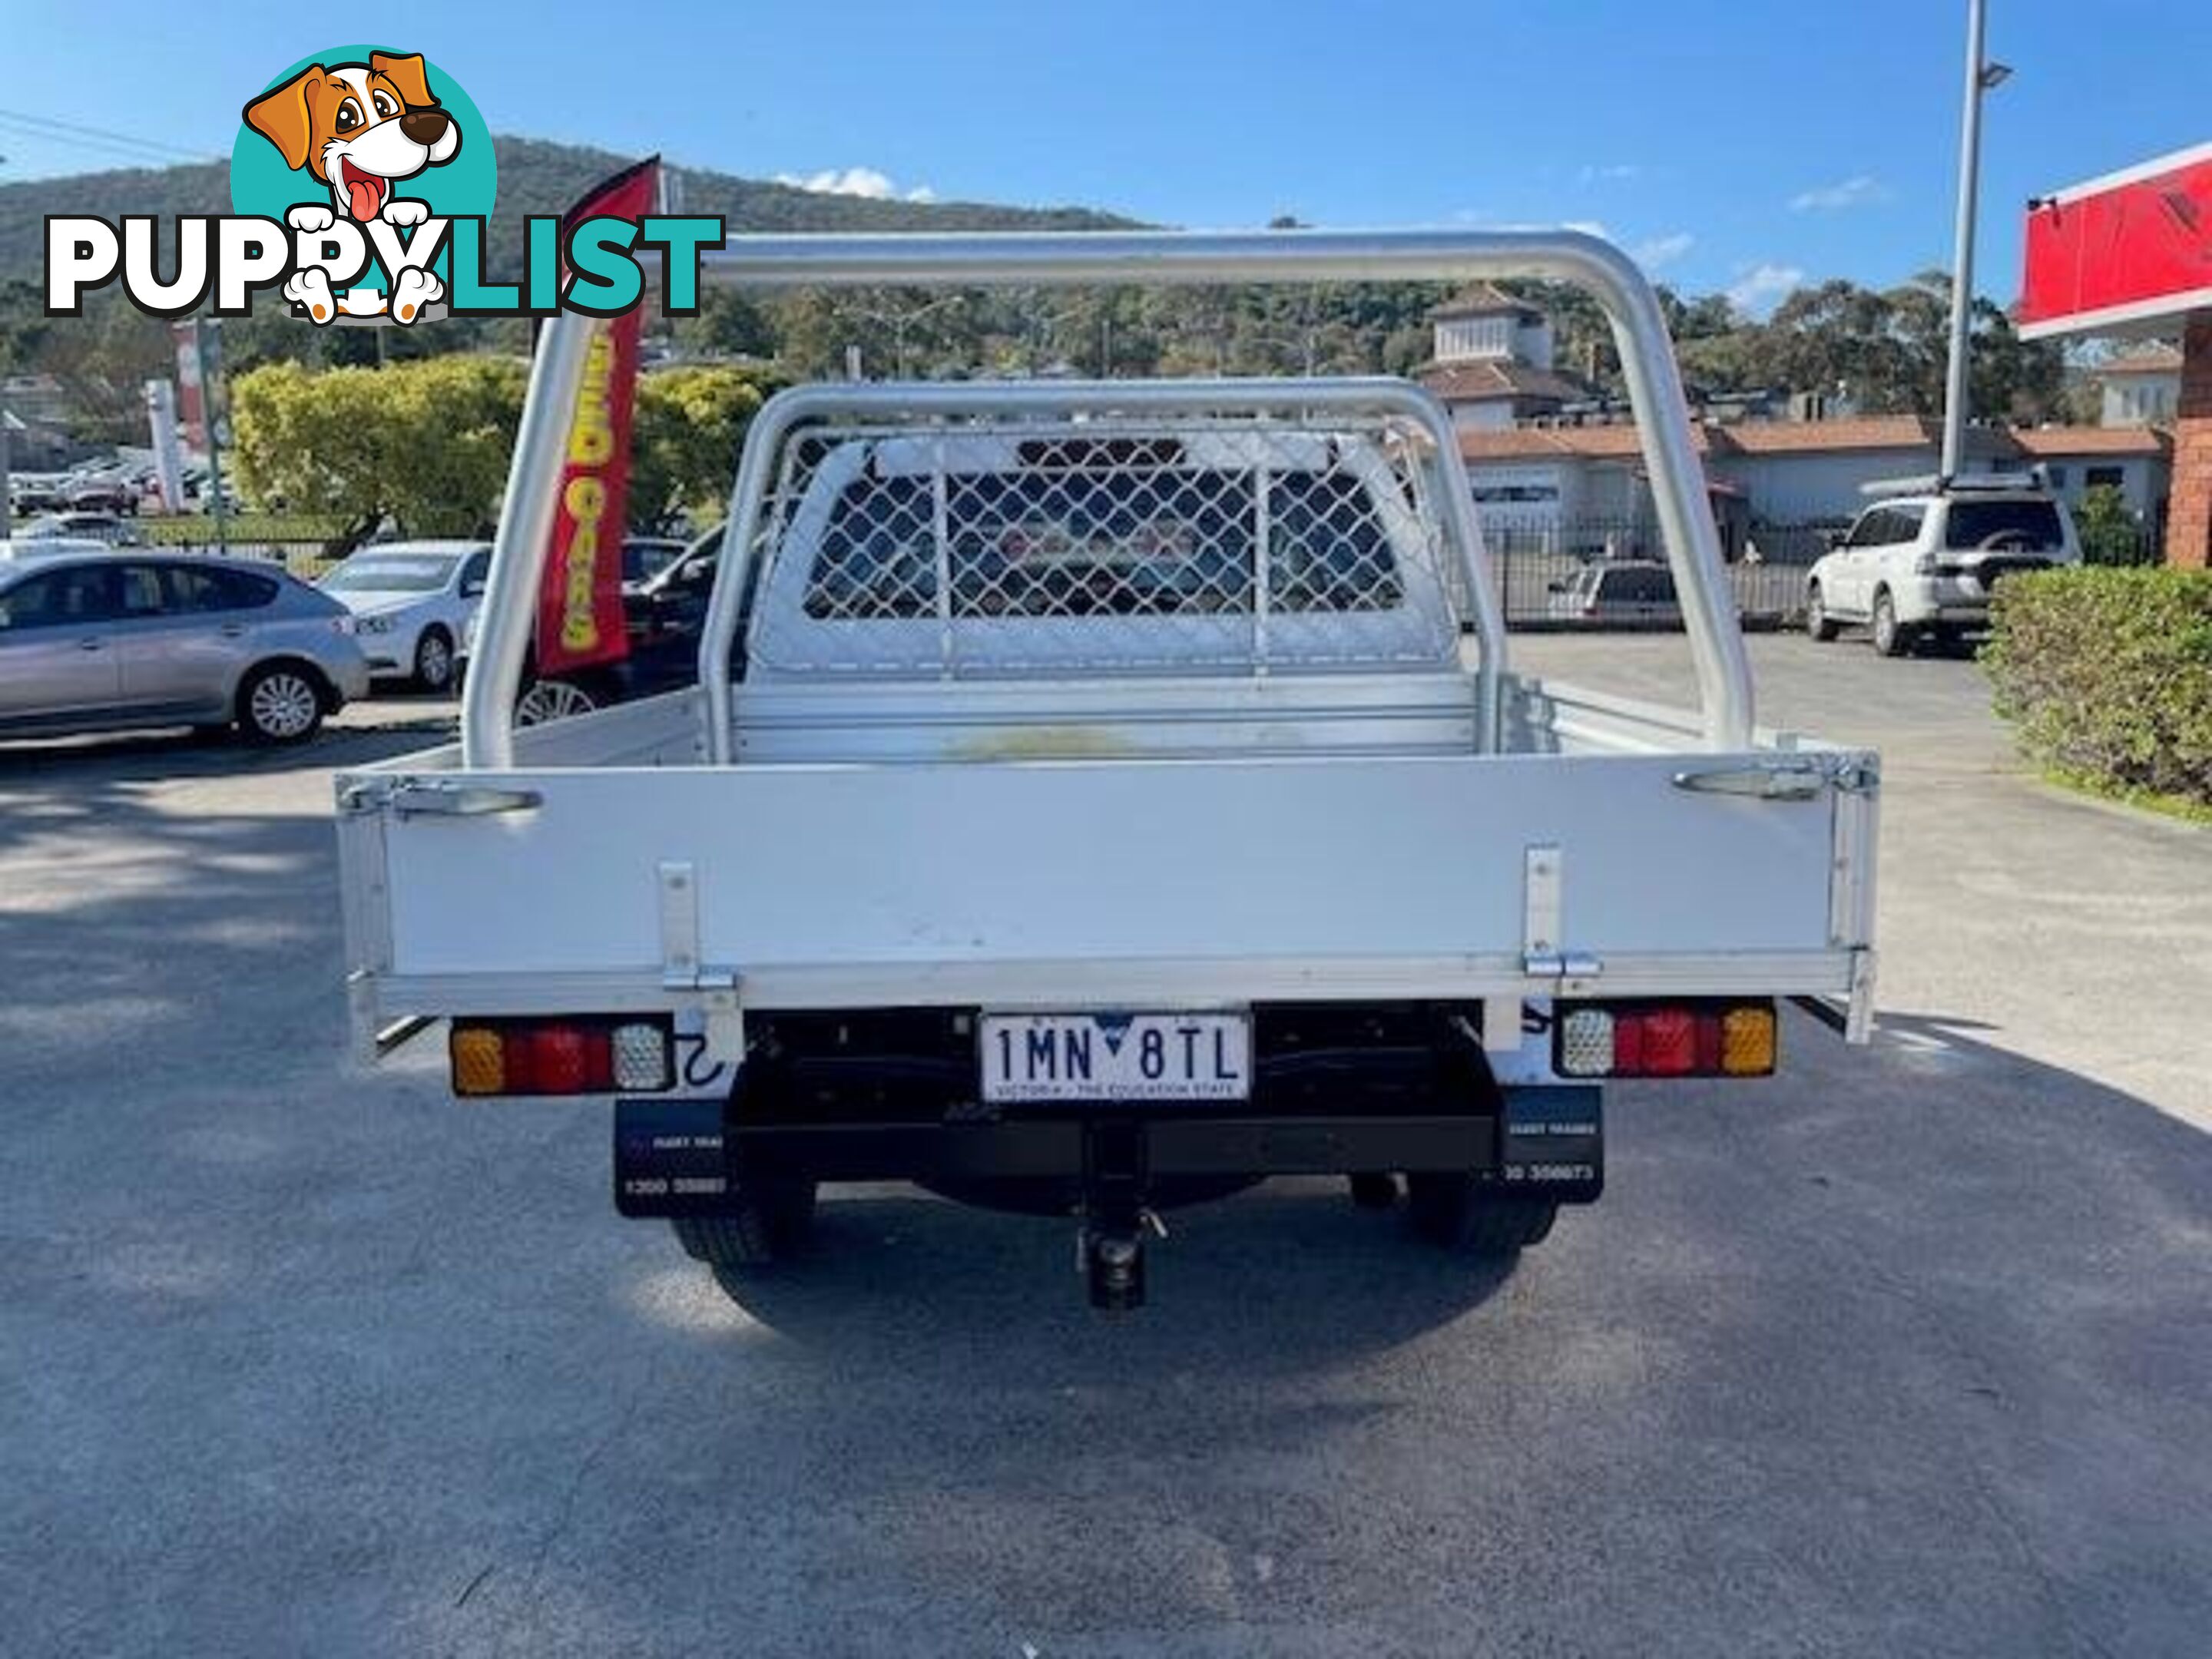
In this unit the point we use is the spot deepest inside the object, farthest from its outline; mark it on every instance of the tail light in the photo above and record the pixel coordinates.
(574, 1055)
(1665, 1039)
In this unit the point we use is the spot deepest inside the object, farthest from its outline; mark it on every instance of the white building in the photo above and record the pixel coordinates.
(1580, 486)
(2141, 387)
(1491, 362)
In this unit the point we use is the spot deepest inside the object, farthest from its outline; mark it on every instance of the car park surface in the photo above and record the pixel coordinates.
(1902, 1353)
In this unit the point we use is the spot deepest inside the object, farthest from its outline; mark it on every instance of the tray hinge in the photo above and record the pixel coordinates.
(1543, 898)
(680, 967)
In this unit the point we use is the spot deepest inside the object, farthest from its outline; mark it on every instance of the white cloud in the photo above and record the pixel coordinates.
(1656, 251)
(1761, 285)
(1619, 171)
(1857, 191)
(855, 181)
(1588, 227)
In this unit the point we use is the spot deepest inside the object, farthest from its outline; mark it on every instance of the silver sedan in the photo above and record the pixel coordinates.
(122, 640)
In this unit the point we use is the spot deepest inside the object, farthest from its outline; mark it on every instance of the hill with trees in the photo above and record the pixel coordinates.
(1881, 350)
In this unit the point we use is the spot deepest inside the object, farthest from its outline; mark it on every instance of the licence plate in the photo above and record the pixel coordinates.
(1043, 1057)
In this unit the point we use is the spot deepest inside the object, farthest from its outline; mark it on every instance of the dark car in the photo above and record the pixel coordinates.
(644, 557)
(664, 615)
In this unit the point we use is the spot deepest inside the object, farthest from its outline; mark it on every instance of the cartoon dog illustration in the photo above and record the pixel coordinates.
(359, 128)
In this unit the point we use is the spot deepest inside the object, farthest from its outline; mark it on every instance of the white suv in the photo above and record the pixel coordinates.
(1923, 565)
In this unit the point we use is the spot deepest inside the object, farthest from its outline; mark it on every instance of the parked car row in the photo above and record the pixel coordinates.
(100, 635)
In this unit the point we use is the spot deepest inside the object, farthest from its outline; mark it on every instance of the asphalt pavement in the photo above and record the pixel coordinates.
(1908, 1350)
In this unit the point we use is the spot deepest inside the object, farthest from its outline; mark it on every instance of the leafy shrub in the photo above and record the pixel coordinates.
(2109, 531)
(2108, 675)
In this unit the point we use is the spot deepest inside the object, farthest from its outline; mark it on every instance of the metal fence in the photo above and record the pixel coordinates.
(1548, 567)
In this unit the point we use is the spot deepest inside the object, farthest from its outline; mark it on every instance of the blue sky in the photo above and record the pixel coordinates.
(1741, 145)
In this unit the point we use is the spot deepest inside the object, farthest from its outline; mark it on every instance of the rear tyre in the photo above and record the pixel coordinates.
(1891, 638)
(1818, 622)
(434, 660)
(1456, 1212)
(280, 703)
(766, 1221)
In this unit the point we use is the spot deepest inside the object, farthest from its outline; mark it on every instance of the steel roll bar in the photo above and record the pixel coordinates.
(1064, 259)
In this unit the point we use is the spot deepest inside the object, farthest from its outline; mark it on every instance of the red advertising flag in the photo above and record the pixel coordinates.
(579, 609)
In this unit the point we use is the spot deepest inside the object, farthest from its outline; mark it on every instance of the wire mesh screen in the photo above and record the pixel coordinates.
(1086, 546)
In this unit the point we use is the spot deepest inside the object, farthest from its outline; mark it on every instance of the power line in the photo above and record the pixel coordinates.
(75, 133)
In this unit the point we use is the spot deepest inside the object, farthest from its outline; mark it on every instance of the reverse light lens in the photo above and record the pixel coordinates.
(1586, 1043)
(641, 1056)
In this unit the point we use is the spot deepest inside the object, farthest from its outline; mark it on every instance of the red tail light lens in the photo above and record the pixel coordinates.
(1669, 1045)
(581, 1055)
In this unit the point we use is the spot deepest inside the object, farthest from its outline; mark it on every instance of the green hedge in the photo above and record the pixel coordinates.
(192, 529)
(2108, 675)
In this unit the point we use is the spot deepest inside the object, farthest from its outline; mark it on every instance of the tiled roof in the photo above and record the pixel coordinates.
(1869, 433)
(1475, 381)
(2058, 442)
(1589, 442)
(1483, 299)
(2160, 359)
(1857, 432)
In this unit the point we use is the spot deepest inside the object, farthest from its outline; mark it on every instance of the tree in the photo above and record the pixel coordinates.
(424, 443)
(2109, 532)
(729, 324)
(690, 425)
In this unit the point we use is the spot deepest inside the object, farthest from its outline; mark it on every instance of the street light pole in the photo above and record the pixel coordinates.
(1981, 76)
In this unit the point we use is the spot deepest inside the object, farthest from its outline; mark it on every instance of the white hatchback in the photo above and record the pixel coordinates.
(415, 604)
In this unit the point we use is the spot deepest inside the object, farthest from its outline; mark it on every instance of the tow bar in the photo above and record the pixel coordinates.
(1111, 1248)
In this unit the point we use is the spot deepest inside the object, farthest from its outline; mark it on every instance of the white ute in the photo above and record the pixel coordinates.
(1098, 797)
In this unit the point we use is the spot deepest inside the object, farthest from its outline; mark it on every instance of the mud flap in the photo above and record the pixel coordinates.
(1552, 1143)
(669, 1158)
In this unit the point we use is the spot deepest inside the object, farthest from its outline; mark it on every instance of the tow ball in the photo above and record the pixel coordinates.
(1110, 1250)
(1112, 1261)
